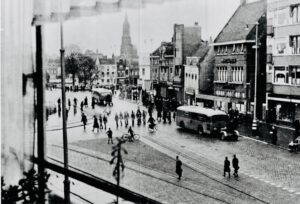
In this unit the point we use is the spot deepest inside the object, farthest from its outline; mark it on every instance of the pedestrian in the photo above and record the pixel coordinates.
(100, 122)
(121, 118)
(235, 165)
(96, 124)
(67, 113)
(150, 109)
(93, 103)
(126, 117)
(81, 106)
(178, 168)
(86, 101)
(158, 118)
(132, 118)
(165, 114)
(109, 135)
(169, 117)
(144, 116)
(226, 167)
(83, 120)
(69, 102)
(174, 115)
(117, 120)
(75, 102)
(104, 121)
(273, 133)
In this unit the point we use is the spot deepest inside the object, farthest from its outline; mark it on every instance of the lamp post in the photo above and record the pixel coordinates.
(65, 138)
(254, 123)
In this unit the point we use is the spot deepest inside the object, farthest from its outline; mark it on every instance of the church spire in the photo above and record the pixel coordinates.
(128, 50)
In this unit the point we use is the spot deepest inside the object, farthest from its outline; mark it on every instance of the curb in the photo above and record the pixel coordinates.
(266, 143)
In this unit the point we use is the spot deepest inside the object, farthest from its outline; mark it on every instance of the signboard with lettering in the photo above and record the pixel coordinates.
(228, 61)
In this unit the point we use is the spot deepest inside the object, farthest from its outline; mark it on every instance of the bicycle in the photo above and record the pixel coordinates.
(127, 137)
(154, 129)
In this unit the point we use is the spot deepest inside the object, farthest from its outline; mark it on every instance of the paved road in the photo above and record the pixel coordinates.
(268, 173)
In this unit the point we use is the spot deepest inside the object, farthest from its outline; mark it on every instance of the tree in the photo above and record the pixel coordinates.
(72, 63)
(88, 69)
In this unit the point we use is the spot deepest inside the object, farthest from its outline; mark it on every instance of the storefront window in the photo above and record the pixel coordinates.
(295, 75)
(280, 75)
(295, 44)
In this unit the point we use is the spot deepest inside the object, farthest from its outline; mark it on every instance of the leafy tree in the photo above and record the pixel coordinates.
(72, 63)
(88, 70)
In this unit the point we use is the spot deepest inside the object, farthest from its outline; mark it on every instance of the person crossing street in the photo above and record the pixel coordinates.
(235, 165)
(109, 135)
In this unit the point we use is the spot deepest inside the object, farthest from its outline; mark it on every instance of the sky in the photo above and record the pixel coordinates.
(149, 26)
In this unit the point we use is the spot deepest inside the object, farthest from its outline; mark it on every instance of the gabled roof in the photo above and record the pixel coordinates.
(201, 51)
(167, 45)
(248, 13)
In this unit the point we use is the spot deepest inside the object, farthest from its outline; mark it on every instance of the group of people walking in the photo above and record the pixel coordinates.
(123, 118)
(235, 165)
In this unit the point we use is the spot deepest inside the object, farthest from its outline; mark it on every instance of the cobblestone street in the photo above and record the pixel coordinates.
(267, 173)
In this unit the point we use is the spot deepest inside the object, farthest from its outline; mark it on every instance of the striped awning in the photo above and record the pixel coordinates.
(55, 10)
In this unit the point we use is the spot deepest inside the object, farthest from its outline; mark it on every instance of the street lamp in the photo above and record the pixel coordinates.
(65, 138)
(254, 123)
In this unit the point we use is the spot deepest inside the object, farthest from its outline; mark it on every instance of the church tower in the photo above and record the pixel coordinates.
(128, 50)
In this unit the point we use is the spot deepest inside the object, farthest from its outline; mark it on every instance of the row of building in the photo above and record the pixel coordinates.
(221, 73)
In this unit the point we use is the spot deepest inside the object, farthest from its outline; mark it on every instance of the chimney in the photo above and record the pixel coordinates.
(242, 2)
(196, 23)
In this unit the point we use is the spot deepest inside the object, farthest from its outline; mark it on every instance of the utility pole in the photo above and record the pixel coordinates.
(254, 124)
(64, 119)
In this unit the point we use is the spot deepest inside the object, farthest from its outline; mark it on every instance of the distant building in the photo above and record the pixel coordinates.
(122, 73)
(283, 60)
(107, 72)
(167, 61)
(128, 59)
(53, 68)
(128, 50)
(235, 60)
(198, 74)
(144, 73)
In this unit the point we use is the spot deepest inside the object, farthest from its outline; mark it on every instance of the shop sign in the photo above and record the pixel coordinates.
(228, 61)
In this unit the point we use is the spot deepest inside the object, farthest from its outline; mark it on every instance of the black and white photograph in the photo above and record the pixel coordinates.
(150, 101)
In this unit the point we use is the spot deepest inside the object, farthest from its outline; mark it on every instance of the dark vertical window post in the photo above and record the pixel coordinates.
(40, 112)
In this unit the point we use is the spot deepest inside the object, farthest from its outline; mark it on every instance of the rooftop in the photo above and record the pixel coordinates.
(248, 13)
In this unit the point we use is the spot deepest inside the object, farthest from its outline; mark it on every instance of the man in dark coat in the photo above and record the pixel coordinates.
(226, 167)
(104, 121)
(235, 165)
(178, 168)
(273, 134)
(109, 134)
(83, 120)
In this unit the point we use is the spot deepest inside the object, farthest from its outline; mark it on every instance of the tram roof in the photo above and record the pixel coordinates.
(205, 111)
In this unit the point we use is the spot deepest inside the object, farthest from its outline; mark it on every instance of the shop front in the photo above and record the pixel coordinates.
(283, 110)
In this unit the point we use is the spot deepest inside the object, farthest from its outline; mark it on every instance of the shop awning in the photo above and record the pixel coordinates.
(55, 10)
